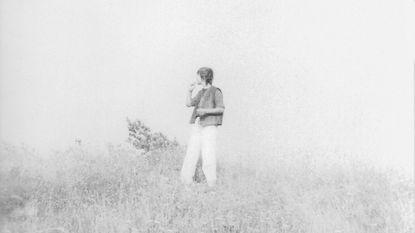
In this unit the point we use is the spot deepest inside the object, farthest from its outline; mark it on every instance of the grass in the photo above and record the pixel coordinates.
(87, 190)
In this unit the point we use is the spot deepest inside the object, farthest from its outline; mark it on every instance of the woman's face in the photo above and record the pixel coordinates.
(198, 80)
(202, 78)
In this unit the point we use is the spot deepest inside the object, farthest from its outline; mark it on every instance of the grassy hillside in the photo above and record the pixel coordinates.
(121, 190)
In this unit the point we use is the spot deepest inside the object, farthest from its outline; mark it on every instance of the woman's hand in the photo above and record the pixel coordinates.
(192, 86)
(201, 111)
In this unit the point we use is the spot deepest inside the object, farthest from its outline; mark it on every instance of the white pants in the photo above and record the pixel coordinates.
(202, 139)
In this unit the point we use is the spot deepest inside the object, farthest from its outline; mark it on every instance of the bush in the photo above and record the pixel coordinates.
(142, 138)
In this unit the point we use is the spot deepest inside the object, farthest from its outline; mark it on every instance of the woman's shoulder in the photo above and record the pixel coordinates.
(215, 88)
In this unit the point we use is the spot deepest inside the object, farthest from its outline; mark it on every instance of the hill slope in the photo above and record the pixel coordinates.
(122, 190)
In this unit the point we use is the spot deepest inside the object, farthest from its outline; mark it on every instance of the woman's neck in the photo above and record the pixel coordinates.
(205, 86)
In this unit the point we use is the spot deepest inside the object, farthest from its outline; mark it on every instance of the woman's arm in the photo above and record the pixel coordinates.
(189, 100)
(203, 111)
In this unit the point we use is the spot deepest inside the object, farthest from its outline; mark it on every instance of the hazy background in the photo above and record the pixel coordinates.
(316, 77)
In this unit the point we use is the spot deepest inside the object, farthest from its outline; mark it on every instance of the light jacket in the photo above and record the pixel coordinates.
(208, 98)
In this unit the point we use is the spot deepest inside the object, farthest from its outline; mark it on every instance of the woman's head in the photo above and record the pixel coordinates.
(206, 74)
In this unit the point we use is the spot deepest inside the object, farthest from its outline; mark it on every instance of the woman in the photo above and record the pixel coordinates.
(207, 116)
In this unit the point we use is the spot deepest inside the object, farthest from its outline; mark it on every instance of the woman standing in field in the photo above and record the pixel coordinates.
(207, 116)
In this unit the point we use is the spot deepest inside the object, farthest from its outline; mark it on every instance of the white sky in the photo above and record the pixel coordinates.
(321, 76)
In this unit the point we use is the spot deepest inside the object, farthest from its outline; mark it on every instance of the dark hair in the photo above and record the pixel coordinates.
(209, 72)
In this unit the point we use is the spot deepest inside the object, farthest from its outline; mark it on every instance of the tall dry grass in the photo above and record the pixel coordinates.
(121, 190)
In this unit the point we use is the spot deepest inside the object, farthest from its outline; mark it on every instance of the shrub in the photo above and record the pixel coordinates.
(142, 138)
